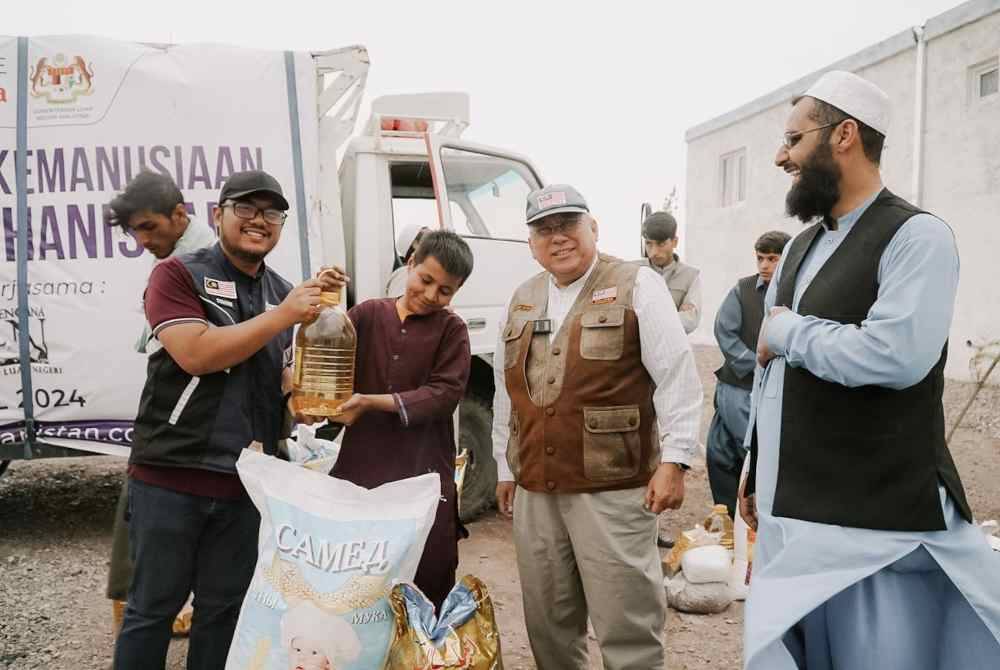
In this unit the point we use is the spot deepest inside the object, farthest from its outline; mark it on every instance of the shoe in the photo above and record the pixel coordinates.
(182, 624)
(665, 543)
(117, 616)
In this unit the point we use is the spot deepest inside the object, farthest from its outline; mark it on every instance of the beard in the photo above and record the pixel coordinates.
(818, 187)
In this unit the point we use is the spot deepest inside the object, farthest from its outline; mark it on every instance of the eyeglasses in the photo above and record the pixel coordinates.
(789, 140)
(561, 228)
(248, 212)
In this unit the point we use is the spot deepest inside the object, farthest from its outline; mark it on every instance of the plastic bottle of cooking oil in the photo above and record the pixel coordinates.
(324, 360)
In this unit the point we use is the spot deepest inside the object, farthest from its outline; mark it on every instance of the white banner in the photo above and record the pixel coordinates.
(99, 111)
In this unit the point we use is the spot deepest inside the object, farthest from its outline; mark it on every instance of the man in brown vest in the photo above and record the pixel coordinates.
(596, 416)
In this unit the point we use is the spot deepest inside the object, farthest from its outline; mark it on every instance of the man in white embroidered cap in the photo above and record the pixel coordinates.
(866, 553)
(596, 418)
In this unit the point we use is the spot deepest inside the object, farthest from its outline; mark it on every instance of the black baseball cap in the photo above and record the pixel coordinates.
(244, 183)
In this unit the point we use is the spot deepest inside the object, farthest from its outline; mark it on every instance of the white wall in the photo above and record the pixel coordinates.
(961, 181)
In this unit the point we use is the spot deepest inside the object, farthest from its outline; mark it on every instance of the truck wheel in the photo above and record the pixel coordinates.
(476, 427)
(3, 467)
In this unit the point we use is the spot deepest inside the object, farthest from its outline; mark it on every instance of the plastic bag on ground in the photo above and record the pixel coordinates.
(328, 554)
(464, 637)
(312, 452)
(710, 598)
(689, 539)
(702, 565)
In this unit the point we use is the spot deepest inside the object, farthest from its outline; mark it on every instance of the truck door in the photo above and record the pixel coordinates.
(481, 194)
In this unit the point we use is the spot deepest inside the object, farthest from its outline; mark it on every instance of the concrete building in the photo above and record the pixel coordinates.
(942, 153)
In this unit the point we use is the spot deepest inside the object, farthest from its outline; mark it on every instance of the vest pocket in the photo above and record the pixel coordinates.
(611, 444)
(511, 335)
(514, 445)
(602, 334)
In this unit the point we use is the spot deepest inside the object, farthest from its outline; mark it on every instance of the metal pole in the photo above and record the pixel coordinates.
(21, 180)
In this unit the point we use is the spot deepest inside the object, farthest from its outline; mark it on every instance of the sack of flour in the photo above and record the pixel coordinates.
(710, 598)
(328, 554)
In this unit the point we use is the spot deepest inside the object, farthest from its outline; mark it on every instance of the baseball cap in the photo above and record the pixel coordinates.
(244, 183)
(554, 199)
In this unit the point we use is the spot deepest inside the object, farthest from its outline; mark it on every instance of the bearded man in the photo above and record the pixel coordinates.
(867, 556)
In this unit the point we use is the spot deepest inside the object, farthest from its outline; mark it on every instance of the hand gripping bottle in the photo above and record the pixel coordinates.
(324, 360)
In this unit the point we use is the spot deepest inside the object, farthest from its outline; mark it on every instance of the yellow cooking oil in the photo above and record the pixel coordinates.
(325, 347)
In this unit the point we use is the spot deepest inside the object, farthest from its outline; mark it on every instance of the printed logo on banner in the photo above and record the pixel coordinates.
(220, 288)
(61, 80)
(10, 348)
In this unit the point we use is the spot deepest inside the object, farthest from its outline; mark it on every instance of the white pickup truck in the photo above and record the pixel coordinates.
(81, 115)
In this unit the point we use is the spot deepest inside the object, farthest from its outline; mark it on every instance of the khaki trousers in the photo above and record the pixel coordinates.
(590, 554)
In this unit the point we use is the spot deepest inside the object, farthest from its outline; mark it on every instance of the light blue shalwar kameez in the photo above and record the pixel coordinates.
(827, 597)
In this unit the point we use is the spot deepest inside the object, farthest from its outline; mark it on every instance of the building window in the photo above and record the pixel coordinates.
(733, 180)
(989, 83)
(984, 80)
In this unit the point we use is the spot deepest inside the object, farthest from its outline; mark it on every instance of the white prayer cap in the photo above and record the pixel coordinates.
(855, 96)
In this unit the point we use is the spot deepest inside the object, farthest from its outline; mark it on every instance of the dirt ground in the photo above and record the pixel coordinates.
(55, 532)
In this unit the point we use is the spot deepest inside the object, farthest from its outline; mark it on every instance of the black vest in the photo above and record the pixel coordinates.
(206, 422)
(871, 456)
(751, 316)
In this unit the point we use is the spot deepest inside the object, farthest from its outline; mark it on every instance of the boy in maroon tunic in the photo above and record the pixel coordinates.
(411, 370)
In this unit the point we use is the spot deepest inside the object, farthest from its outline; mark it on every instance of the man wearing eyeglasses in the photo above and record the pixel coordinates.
(866, 553)
(596, 416)
(221, 323)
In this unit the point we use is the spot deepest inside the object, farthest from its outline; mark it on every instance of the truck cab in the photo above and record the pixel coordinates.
(70, 381)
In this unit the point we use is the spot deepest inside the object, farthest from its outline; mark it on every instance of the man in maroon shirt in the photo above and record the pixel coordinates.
(223, 320)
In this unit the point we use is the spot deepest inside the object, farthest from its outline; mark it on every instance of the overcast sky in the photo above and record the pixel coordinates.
(596, 96)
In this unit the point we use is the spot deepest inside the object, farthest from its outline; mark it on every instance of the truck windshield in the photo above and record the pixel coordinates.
(487, 193)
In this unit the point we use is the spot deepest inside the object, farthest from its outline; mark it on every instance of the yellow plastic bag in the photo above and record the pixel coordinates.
(464, 637)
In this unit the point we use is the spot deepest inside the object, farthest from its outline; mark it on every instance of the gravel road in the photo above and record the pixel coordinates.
(55, 533)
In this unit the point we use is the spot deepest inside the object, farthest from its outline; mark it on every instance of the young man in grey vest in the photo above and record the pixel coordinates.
(866, 552)
(596, 418)
(737, 324)
(151, 209)
(659, 235)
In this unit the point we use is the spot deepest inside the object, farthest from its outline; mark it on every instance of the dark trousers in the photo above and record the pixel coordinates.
(436, 572)
(120, 571)
(724, 452)
(181, 543)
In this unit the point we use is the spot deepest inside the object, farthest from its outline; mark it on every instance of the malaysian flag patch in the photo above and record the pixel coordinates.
(220, 288)
(554, 199)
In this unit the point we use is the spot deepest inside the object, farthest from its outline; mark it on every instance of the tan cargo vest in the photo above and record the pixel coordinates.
(582, 417)
(678, 275)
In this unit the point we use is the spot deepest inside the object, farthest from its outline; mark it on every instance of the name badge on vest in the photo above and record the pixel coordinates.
(604, 296)
(542, 326)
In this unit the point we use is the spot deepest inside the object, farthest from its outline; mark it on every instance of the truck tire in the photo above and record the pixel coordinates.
(3, 467)
(476, 430)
